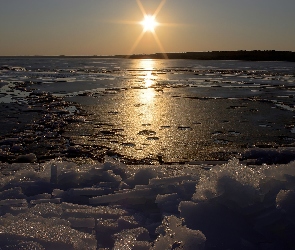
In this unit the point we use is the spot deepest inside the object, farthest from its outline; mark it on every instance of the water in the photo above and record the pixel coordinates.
(163, 110)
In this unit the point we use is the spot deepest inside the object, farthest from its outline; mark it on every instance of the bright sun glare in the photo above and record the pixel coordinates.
(149, 23)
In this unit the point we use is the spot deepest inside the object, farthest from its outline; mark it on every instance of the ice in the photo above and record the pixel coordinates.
(168, 203)
(105, 229)
(47, 210)
(13, 202)
(27, 158)
(82, 222)
(114, 206)
(170, 180)
(43, 196)
(34, 202)
(49, 233)
(229, 181)
(224, 228)
(136, 196)
(142, 177)
(15, 193)
(24, 245)
(173, 235)
(86, 192)
(94, 212)
(285, 203)
(13, 206)
(137, 238)
(129, 222)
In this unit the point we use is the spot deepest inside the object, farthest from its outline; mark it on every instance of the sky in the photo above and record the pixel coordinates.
(112, 27)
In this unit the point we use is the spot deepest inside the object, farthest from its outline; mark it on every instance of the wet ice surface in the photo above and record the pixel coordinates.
(181, 129)
(151, 111)
(61, 205)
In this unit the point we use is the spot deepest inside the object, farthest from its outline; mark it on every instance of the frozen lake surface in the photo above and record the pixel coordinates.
(146, 154)
(149, 111)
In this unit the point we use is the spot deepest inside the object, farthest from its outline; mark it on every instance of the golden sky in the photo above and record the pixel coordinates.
(100, 27)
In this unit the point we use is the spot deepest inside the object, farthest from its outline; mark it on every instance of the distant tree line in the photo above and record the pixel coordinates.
(254, 55)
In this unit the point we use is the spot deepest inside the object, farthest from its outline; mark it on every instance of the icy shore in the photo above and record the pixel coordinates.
(114, 206)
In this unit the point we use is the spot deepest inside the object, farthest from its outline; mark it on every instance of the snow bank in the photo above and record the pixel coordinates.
(114, 206)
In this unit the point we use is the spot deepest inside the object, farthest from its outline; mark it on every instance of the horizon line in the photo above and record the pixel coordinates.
(142, 54)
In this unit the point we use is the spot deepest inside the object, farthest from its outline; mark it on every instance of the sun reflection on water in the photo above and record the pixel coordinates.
(148, 110)
(146, 96)
(148, 66)
(148, 80)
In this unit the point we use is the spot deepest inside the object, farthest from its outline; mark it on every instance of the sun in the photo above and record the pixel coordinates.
(149, 23)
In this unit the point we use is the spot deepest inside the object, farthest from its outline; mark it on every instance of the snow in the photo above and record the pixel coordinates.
(62, 205)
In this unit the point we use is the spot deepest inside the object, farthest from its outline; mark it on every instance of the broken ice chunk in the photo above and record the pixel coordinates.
(173, 235)
(82, 222)
(142, 177)
(285, 202)
(170, 180)
(47, 210)
(55, 201)
(13, 202)
(105, 229)
(13, 206)
(53, 178)
(109, 176)
(49, 233)
(20, 244)
(93, 212)
(13, 193)
(168, 202)
(135, 196)
(40, 196)
(87, 192)
(27, 158)
(129, 222)
(136, 238)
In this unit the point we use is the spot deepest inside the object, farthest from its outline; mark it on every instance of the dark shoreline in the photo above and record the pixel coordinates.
(242, 55)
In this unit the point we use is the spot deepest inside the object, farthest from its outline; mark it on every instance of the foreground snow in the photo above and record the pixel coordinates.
(114, 206)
